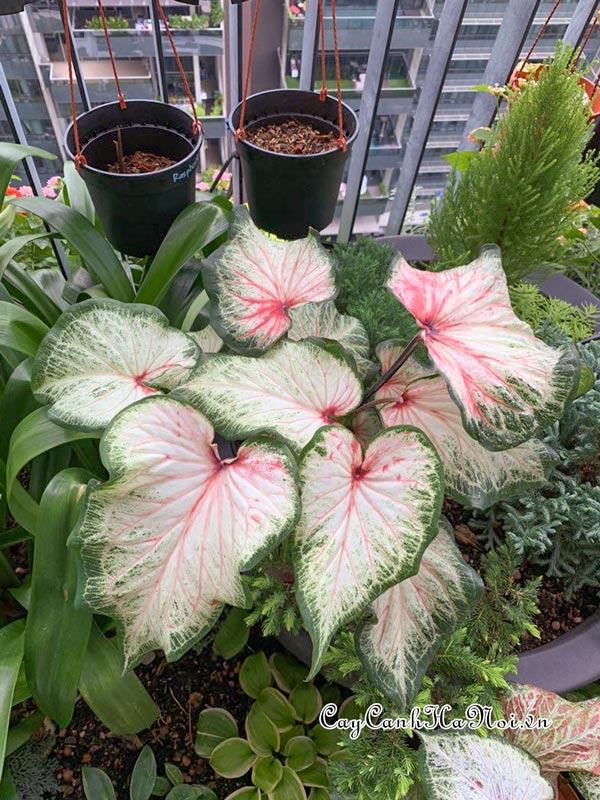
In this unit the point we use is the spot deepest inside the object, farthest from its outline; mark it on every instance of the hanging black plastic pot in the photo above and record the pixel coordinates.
(288, 194)
(136, 211)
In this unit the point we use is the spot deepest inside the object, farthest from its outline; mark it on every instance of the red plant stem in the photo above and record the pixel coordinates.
(389, 373)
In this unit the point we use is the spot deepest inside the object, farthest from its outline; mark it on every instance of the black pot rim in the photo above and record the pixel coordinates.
(292, 156)
(194, 146)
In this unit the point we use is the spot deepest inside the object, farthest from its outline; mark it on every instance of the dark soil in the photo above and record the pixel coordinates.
(140, 162)
(558, 613)
(181, 690)
(292, 137)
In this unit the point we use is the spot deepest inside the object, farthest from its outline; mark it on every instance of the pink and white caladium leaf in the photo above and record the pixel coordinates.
(506, 382)
(254, 280)
(164, 539)
(292, 390)
(415, 616)
(572, 740)
(474, 476)
(208, 340)
(102, 355)
(324, 321)
(366, 520)
(472, 767)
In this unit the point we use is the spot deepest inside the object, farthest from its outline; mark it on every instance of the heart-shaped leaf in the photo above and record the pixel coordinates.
(272, 703)
(232, 758)
(365, 522)
(301, 752)
(266, 773)
(254, 280)
(307, 701)
(293, 390)
(289, 787)
(214, 726)
(456, 767)
(245, 793)
(164, 539)
(324, 321)
(474, 476)
(572, 740)
(255, 674)
(506, 382)
(208, 340)
(287, 671)
(261, 732)
(288, 734)
(415, 616)
(102, 355)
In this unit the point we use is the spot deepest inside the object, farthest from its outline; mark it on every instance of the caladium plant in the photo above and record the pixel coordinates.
(285, 380)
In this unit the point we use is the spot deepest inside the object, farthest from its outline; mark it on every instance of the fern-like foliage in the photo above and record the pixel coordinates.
(32, 770)
(363, 270)
(530, 305)
(520, 190)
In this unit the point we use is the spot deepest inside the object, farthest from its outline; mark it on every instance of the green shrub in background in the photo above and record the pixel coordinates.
(112, 23)
(521, 190)
(284, 749)
(194, 22)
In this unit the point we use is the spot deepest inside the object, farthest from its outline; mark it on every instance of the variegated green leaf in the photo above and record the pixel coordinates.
(474, 476)
(324, 321)
(587, 785)
(163, 541)
(366, 520)
(102, 355)
(254, 281)
(415, 616)
(293, 390)
(472, 767)
(506, 382)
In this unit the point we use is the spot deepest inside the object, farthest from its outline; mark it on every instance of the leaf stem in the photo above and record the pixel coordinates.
(402, 359)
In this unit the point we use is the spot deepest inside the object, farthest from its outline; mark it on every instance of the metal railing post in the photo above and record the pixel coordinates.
(507, 48)
(383, 28)
(310, 36)
(159, 53)
(582, 16)
(12, 116)
(83, 92)
(443, 47)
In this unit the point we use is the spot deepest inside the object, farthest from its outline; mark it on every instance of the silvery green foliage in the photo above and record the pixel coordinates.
(558, 526)
(33, 771)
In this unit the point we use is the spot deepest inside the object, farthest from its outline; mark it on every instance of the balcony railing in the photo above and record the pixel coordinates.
(375, 96)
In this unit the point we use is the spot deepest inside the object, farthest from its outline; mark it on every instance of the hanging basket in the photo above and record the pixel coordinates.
(288, 194)
(136, 211)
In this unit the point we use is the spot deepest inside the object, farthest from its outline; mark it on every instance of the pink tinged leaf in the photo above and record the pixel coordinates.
(415, 616)
(506, 382)
(102, 356)
(570, 743)
(472, 767)
(254, 280)
(293, 390)
(365, 523)
(474, 476)
(164, 540)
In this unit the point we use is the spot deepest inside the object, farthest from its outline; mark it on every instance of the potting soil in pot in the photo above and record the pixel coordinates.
(292, 137)
(140, 162)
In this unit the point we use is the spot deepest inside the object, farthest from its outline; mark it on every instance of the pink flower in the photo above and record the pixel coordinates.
(25, 191)
(203, 186)
(49, 192)
(54, 182)
(226, 176)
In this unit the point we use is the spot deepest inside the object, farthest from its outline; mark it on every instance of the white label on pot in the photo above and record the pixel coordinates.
(180, 176)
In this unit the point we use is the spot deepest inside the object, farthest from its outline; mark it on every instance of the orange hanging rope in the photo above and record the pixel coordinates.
(120, 95)
(240, 132)
(196, 125)
(323, 94)
(540, 33)
(80, 160)
(342, 144)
